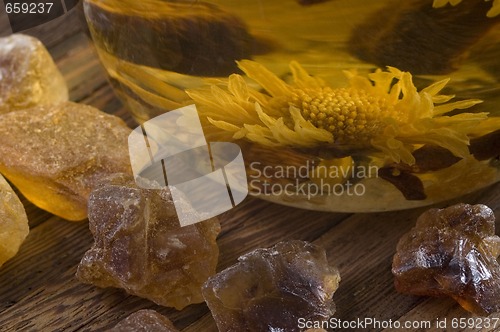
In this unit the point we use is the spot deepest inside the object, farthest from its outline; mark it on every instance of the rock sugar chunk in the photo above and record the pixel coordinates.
(140, 246)
(13, 222)
(28, 76)
(270, 289)
(452, 252)
(145, 321)
(55, 155)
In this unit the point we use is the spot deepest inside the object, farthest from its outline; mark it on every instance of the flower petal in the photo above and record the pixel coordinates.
(238, 87)
(458, 105)
(495, 9)
(434, 89)
(224, 125)
(302, 78)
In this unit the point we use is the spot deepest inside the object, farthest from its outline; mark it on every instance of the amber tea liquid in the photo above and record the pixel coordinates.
(158, 52)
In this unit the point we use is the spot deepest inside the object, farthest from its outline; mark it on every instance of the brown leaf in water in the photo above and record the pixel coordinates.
(408, 184)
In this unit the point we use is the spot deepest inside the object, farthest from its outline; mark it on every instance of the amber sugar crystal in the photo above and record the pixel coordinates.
(56, 154)
(13, 222)
(452, 252)
(28, 75)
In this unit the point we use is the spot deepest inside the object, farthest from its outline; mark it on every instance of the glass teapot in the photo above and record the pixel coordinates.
(337, 105)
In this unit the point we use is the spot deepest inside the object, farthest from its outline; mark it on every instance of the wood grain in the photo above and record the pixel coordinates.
(38, 290)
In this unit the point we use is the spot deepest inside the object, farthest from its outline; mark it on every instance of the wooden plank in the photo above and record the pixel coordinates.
(5, 29)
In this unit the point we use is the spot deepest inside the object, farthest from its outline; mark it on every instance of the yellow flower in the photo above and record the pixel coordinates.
(383, 112)
(494, 11)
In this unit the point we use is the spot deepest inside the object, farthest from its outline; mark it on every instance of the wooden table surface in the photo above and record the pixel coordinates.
(38, 290)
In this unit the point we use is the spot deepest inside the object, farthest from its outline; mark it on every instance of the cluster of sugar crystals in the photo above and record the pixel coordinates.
(452, 252)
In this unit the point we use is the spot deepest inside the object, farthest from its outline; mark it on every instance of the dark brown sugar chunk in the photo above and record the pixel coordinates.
(270, 289)
(141, 248)
(452, 252)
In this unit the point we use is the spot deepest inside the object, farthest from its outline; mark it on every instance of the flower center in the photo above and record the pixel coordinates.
(352, 115)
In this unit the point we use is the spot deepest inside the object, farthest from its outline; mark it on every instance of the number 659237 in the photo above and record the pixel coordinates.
(28, 8)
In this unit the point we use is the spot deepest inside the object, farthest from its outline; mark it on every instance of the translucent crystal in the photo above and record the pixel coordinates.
(270, 289)
(452, 252)
(140, 247)
(13, 222)
(145, 321)
(28, 76)
(56, 154)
